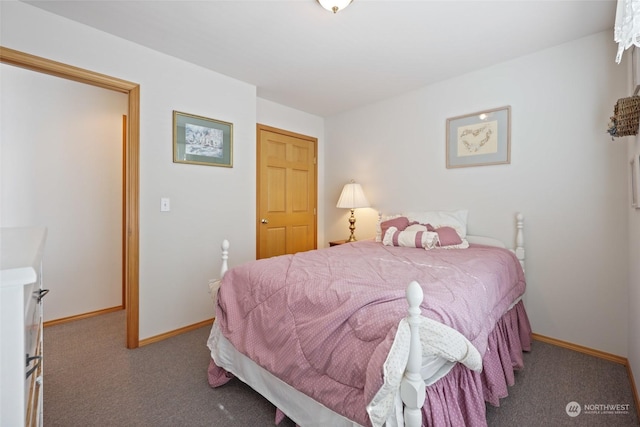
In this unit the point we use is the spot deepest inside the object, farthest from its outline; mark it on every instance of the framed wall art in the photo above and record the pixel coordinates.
(478, 139)
(202, 141)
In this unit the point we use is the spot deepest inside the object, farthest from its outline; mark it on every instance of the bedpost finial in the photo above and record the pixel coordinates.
(225, 245)
(414, 295)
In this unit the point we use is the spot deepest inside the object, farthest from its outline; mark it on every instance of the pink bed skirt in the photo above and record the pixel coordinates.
(459, 397)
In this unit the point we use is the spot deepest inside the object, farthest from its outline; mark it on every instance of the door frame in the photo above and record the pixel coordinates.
(131, 168)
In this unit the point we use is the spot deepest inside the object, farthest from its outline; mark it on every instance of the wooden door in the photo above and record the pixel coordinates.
(286, 192)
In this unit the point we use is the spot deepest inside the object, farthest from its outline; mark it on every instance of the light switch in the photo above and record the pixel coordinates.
(165, 204)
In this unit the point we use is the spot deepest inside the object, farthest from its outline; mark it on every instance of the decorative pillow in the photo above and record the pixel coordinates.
(382, 218)
(400, 223)
(447, 236)
(414, 238)
(437, 219)
(418, 227)
(448, 239)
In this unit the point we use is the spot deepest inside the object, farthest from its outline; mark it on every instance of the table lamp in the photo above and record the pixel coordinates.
(352, 197)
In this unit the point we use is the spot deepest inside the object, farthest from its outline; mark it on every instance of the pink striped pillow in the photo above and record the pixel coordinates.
(409, 238)
(412, 237)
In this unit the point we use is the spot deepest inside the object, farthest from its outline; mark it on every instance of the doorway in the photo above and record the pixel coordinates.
(131, 168)
(286, 192)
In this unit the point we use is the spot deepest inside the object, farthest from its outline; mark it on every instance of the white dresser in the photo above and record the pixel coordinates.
(21, 295)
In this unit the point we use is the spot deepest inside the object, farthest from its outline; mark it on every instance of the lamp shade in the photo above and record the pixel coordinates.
(352, 197)
(334, 5)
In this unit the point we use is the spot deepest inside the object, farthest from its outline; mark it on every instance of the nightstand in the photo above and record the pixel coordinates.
(337, 242)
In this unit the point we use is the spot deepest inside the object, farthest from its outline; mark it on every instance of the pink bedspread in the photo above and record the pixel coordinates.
(323, 321)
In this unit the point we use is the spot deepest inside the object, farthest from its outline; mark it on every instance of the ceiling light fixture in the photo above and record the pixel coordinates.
(334, 5)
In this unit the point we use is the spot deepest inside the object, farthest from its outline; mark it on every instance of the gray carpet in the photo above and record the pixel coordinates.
(92, 380)
(552, 378)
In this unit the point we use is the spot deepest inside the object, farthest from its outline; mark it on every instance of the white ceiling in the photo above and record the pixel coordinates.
(302, 56)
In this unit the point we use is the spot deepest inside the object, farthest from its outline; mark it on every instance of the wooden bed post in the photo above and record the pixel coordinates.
(225, 257)
(412, 387)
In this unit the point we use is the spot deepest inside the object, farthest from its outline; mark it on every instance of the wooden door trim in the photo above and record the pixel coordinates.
(261, 127)
(131, 166)
(123, 273)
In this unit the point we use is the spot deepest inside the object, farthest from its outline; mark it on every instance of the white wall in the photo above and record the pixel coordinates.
(565, 176)
(73, 132)
(282, 117)
(179, 250)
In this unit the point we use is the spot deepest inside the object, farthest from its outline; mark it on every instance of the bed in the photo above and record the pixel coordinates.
(419, 326)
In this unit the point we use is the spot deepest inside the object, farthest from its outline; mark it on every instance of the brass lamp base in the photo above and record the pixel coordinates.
(352, 227)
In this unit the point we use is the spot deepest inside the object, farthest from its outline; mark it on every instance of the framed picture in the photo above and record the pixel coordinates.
(635, 181)
(478, 139)
(202, 141)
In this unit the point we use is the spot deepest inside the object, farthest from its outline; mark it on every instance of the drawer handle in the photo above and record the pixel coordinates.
(41, 293)
(34, 367)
